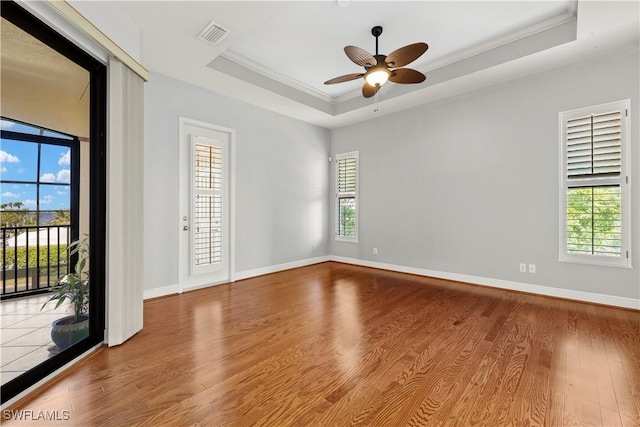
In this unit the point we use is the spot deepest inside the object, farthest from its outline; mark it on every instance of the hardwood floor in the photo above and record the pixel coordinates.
(338, 345)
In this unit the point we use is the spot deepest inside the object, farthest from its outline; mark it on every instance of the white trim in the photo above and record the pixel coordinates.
(464, 278)
(175, 289)
(624, 261)
(161, 292)
(501, 284)
(232, 204)
(205, 285)
(256, 67)
(95, 34)
(50, 377)
(183, 177)
(47, 13)
(241, 275)
(336, 207)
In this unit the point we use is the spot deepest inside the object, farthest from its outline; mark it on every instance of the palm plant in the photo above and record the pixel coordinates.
(73, 287)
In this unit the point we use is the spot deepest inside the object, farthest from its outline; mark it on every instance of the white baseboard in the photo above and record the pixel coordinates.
(175, 289)
(280, 267)
(465, 278)
(501, 284)
(160, 292)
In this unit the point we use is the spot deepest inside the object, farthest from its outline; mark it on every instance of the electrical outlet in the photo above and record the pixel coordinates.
(523, 268)
(532, 268)
(375, 251)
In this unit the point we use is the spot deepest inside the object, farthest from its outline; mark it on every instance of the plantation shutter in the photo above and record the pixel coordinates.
(346, 195)
(207, 233)
(347, 175)
(593, 179)
(593, 146)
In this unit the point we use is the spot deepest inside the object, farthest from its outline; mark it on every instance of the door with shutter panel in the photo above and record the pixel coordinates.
(205, 207)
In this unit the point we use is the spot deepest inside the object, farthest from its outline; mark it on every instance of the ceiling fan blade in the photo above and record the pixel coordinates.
(406, 76)
(368, 91)
(345, 78)
(405, 55)
(360, 56)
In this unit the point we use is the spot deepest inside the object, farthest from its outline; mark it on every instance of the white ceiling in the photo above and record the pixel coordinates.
(26, 60)
(278, 54)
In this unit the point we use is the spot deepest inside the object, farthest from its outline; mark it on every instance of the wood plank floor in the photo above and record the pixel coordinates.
(339, 345)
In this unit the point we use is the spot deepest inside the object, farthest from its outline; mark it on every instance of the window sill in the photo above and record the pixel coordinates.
(596, 263)
(347, 239)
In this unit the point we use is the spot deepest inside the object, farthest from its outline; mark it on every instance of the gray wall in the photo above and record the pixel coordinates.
(470, 185)
(281, 175)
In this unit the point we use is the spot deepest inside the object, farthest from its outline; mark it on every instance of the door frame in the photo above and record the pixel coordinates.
(42, 31)
(184, 185)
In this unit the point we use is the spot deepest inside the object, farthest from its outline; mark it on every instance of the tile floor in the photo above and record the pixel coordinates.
(25, 330)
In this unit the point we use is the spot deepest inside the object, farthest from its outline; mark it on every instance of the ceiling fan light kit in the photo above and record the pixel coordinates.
(377, 76)
(380, 68)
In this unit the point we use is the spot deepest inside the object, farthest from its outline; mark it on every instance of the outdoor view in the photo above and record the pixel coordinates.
(35, 218)
(35, 209)
(593, 220)
(347, 216)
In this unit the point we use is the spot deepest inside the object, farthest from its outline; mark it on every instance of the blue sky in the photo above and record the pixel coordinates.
(19, 162)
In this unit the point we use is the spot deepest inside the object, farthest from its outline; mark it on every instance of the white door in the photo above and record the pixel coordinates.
(205, 204)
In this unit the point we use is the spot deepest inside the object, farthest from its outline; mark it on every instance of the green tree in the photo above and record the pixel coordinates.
(347, 220)
(593, 220)
(14, 214)
(62, 217)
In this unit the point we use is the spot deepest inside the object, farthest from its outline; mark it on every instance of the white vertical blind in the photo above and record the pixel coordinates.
(124, 204)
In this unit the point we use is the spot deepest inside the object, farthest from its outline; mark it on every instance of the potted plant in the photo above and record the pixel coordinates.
(73, 288)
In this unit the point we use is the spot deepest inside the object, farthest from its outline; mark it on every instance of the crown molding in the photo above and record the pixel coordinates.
(274, 75)
(547, 24)
(570, 14)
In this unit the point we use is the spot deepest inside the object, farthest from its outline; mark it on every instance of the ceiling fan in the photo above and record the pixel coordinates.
(380, 68)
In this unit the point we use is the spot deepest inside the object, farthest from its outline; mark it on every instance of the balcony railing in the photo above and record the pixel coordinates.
(33, 258)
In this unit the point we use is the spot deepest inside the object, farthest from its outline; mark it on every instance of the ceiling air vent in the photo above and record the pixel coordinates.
(213, 33)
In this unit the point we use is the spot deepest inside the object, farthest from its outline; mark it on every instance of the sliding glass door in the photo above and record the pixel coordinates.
(53, 200)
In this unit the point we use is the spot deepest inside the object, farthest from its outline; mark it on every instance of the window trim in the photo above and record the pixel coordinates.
(339, 238)
(624, 261)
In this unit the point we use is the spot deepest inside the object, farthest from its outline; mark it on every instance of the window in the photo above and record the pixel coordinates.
(347, 197)
(36, 175)
(595, 194)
